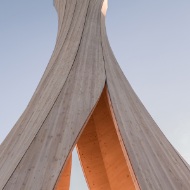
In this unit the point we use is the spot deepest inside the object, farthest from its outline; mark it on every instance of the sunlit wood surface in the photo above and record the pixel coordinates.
(34, 153)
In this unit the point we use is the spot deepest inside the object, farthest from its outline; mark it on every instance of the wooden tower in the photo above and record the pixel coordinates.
(84, 100)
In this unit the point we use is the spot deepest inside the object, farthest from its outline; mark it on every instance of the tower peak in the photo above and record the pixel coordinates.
(105, 7)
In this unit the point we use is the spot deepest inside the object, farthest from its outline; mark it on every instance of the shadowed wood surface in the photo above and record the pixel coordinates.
(34, 154)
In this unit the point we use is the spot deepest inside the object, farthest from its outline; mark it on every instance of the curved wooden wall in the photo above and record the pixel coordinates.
(156, 163)
(103, 161)
(36, 150)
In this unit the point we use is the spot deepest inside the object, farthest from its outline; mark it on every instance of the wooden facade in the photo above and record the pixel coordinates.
(84, 100)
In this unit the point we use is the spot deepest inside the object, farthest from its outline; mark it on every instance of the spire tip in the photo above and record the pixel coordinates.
(105, 7)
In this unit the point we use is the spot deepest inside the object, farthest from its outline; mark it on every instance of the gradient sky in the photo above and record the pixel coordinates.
(150, 40)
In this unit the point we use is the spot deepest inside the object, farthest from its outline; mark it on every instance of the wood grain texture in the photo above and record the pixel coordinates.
(63, 183)
(34, 154)
(91, 158)
(155, 162)
(100, 152)
(67, 94)
(124, 151)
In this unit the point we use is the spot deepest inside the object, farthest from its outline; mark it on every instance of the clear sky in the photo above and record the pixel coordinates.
(150, 40)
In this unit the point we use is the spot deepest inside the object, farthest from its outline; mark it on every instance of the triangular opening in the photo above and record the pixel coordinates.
(77, 181)
(102, 155)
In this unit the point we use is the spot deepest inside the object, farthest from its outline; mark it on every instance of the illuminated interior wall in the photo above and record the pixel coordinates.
(104, 164)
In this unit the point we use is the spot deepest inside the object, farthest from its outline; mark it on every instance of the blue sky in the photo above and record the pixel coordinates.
(150, 40)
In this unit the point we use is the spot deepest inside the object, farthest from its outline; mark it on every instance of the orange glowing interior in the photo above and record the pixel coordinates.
(103, 158)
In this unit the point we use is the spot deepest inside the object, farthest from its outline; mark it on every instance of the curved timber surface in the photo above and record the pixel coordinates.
(101, 155)
(36, 153)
